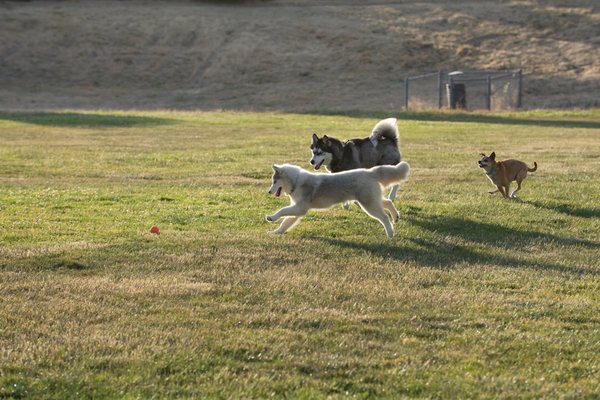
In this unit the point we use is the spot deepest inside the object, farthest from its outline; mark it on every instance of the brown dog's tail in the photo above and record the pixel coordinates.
(534, 167)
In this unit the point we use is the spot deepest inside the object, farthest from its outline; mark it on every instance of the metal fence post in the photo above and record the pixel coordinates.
(488, 93)
(405, 94)
(519, 88)
(451, 99)
(439, 89)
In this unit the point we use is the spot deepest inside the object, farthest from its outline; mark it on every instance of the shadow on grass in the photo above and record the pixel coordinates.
(470, 117)
(568, 209)
(435, 254)
(70, 260)
(493, 234)
(445, 251)
(84, 120)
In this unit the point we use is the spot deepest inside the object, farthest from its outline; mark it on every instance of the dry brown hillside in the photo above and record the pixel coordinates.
(286, 55)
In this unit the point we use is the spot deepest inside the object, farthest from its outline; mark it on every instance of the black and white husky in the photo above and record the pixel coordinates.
(308, 190)
(380, 148)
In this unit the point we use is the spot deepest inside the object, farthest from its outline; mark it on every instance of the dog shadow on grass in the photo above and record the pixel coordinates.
(84, 120)
(568, 209)
(494, 234)
(446, 247)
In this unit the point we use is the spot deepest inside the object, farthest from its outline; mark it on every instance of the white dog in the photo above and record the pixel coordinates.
(308, 190)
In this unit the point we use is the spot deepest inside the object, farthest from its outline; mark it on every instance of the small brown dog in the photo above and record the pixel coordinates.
(502, 173)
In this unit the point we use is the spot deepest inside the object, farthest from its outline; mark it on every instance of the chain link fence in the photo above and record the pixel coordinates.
(470, 90)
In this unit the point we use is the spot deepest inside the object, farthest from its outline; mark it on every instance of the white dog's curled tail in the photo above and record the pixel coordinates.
(386, 128)
(388, 175)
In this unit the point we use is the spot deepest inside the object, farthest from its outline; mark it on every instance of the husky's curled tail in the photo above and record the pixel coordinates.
(385, 129)
(389, 175)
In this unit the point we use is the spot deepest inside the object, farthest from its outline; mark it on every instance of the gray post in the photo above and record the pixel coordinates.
(519, 88)
(488, 93)
(405, 94)
(440, 89)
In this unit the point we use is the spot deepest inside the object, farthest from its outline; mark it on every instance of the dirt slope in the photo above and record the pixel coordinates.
(286, 55)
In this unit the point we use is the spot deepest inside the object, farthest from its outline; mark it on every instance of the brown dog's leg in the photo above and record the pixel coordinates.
(501, 189)
(514, 194)
(522, 175)
(494, 191)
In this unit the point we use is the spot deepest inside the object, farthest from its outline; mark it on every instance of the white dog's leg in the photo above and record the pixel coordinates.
(289, 211)
(389, 205)
(393, 192)
(375, 210)
(288, 223)
(346, 205)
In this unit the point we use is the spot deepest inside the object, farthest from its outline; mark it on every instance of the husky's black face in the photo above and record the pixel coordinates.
(485, 161)
(321, 151)
(277, 181)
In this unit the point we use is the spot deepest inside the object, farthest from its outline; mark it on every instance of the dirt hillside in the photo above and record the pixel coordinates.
(286, 55)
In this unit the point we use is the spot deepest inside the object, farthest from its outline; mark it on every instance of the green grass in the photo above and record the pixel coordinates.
(475, 296)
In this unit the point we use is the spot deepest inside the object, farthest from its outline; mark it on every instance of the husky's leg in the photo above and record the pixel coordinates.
(375, 209)
(290, 211)
(393, 192)
(288, 223)
(389, 205)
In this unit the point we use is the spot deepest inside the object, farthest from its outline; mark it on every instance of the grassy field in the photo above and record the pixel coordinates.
(475, 296)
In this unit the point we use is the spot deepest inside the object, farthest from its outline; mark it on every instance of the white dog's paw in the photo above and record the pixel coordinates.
(276, 232)
(345, 205)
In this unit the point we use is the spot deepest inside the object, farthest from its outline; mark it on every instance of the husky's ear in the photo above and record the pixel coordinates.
(314, 138)
(493, 155)
(326, 140)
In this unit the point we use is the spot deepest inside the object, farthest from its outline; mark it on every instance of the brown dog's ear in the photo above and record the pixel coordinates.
(493, 155)
(483, 155)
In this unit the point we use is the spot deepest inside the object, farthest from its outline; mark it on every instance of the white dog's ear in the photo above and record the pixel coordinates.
(276, 167)
(493, 155)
